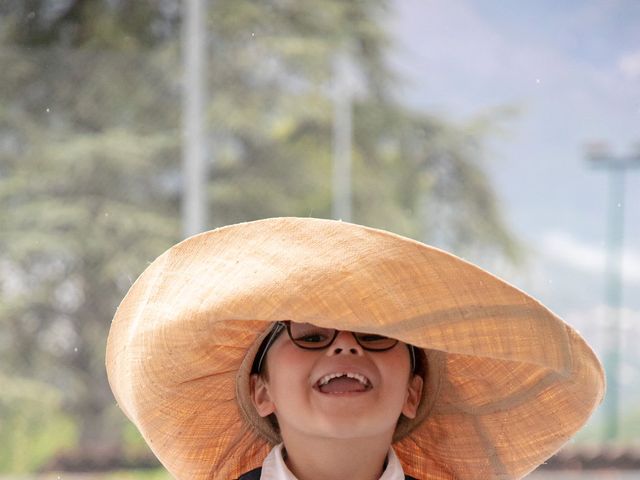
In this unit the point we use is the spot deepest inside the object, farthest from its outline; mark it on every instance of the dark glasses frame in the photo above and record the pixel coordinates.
(286, 324)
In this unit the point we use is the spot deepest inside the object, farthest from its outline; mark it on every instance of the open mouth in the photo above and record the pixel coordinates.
(343, 382)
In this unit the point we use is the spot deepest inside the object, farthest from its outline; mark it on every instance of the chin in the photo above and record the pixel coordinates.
(343, 427)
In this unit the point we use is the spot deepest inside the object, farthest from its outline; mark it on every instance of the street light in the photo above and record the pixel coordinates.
(599, 156)
(194, 168)
(342, 136)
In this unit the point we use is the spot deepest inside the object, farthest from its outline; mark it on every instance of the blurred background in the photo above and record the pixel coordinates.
(506, 135)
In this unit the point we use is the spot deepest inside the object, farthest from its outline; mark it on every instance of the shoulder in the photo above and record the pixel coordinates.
(252, 475)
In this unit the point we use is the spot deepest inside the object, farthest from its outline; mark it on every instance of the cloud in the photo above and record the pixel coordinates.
(564, 248)
(629, 65)
(460, 59)
(594, 325)
(456, 60)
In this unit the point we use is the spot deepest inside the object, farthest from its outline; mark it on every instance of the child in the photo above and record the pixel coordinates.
(314, 349)
(335, 395)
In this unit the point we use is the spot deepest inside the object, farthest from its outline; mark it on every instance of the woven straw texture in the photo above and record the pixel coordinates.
(508, 384)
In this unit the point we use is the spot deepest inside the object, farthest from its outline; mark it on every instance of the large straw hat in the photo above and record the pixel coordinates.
(508, 382)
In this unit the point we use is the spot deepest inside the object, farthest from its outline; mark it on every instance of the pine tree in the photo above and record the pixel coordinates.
(90, 158)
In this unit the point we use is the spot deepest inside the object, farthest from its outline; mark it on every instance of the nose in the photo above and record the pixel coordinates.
(345, 343)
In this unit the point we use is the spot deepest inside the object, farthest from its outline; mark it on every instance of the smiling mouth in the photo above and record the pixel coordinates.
(343, 382)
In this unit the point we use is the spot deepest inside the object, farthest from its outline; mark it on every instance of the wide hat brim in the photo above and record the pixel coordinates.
(508, 384)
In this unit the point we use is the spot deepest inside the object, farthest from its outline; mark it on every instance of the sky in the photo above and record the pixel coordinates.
(571, 70)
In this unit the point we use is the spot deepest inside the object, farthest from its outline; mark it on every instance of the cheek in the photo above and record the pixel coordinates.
(399, 362)
(288, 371)
(396, 371)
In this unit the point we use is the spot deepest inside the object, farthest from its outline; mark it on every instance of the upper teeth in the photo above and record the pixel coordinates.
(361, 378)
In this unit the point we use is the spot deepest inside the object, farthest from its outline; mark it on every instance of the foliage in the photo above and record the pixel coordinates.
(84, 176)
(595, 431)
(90, 169)
(31, 425)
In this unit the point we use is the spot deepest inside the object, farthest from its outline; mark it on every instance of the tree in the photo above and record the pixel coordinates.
(90, 168)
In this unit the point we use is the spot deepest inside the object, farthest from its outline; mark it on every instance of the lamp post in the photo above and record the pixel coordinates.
(599, 156)
(193, 166)
(342, 137)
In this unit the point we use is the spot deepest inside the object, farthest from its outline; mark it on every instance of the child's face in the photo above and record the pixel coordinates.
(346, 408)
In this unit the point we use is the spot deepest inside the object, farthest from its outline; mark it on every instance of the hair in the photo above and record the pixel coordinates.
(421, 366)
(263, 372)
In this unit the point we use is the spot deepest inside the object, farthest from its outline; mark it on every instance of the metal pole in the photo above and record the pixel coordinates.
(599, 156)
(194, 172)
(342, 134)
(614, 296)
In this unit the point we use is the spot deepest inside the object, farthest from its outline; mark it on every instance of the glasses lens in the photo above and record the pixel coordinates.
(306, 335)
(371, 341)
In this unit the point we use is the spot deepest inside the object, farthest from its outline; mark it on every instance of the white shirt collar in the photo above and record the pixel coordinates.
(274, 468)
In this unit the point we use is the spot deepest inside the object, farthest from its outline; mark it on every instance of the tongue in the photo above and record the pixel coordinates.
(342, 385)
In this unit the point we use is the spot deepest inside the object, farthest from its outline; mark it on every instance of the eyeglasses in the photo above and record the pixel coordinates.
(312, 337)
